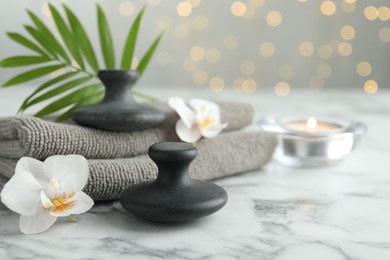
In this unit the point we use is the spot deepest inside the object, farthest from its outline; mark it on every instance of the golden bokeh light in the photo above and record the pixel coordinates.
(324, 70)
(384, 13)
(286, 71)
(217, 84)
(238, 8)
(364, 68)
(384, 34)
(344, 49)
(348, 7)
(164, 58)
(184, 9)
(231, 42)
(197, 53)
(347, 32)
(153, 2)
(325, 52)
(371, 87)
(328, 8)
(134, 63)
(237, 83)
(213, 55)
(306, 49)
(193, 3)
(350, 1)
(182, 31)
(126, 8)
(282, 89)
(267, 49)
(247, 67)
(200, 77)
(274, 18)
(190, 65)
(316, 83)
(248, 86)
(46, 10)
(200, 22)
(371, 13)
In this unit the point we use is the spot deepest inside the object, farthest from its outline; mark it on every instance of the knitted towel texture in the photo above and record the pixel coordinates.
(120, 160)
(227, 154)
(33, 137)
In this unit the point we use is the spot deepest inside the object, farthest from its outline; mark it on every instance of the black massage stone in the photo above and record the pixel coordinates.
(173, 196)
(118, 111)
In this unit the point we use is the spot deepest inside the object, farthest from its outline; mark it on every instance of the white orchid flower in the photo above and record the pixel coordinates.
(43, 191)
(202, 120)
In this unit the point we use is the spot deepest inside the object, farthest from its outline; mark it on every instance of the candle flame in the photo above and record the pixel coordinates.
(311, 123)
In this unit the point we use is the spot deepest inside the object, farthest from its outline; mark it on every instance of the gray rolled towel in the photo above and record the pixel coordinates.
(37, 138)
(227, 154)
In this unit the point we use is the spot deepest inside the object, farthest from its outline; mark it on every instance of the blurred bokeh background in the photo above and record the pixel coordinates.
(247, 46)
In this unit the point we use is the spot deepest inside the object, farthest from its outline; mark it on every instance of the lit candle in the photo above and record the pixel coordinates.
(312, 126)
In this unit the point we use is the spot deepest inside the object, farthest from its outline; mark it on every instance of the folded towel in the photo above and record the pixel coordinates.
(33, 137)
(224, 155)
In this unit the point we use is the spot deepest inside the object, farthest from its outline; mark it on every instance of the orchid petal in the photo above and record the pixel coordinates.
(70, 170)
(213, 131)
(21, 193)
(205, 109)
(46, 202)
(36, 223)
(189, 135)
(82, 203)
(35, 167)
(185, 113)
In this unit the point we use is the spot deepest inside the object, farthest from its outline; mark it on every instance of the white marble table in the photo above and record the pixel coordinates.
(277, 212)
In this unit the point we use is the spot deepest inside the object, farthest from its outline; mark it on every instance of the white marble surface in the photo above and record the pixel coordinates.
(279, 213)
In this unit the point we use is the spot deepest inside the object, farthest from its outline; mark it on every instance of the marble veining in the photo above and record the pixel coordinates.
(342, 212)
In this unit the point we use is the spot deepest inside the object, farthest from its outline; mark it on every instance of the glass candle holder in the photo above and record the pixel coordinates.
(312, 142)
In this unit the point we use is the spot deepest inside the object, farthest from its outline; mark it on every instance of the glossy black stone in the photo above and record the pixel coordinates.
(173, 196)
(118, 111)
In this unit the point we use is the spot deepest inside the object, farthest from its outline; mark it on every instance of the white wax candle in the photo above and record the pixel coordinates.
(312, 126)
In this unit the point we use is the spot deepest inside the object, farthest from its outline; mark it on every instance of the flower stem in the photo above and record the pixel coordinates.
(72, 218)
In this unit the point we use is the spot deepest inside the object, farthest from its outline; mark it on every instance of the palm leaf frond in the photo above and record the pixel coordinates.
(20, 61)
(25, 42)
(69, 99)
(128, 50)
(49, 36)
(32, 74)
(105, 39)
(83, 40)
(67, 36)
(148, 55)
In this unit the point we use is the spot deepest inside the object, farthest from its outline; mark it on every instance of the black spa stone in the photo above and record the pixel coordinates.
(173, 196)
(118, 111)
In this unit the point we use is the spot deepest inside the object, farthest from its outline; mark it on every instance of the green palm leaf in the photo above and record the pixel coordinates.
(19, 61)
(85, 102)
(105, 39)
(49, 36)
(148, 55)
(58, 90)
(32, 74)
(42, 40)
(25, 42)
(46, 85)
(128, 50)
(83, 40)
(69, 99)
(67, 36)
